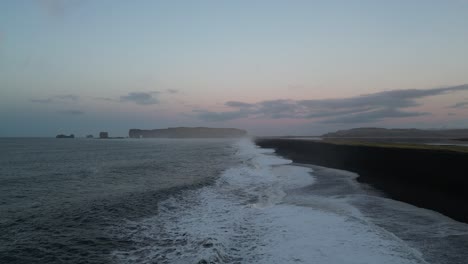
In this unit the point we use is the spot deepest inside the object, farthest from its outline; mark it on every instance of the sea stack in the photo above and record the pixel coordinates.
(103, 135)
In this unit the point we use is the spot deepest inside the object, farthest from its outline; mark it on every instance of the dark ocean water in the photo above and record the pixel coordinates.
(201, 201)
(59, 198)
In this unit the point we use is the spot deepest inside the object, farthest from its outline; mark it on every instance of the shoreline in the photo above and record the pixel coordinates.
(431, 178)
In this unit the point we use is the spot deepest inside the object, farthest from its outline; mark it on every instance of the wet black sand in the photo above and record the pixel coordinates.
(430, 178)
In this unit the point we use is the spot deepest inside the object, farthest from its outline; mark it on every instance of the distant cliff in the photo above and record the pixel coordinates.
(374, 132)
(187, 132)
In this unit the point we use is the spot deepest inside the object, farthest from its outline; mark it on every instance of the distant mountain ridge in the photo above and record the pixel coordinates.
(187, 132)
(375, 132)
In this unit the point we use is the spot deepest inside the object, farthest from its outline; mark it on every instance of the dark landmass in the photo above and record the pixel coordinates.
(188, 132)
(65, 136)
(433, 177)
(103, 135)
(399, 135)
(89, 136)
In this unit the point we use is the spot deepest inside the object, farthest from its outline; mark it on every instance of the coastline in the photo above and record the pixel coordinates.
(431, 178)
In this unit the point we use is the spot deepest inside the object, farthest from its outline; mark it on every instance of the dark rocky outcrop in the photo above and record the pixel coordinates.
(436, 179)
(65, 136)
(103, 135)
(188, 132)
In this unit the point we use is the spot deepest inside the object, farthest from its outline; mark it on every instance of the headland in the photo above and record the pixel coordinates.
(187, 132)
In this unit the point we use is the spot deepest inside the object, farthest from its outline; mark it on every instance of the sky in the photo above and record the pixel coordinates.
(270, 67)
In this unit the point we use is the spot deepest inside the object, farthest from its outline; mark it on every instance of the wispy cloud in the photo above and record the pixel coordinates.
(103, 99)
(56, 99)
(460, 105)
(42, 101)
(220, 116)
(71, 112)
(70, 97)
(141, 98)
(172, 91)
(372, 116)
(58, 8)
(359, 109)
(239, 104)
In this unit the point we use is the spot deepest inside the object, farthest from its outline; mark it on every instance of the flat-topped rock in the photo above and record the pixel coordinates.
(188, 132)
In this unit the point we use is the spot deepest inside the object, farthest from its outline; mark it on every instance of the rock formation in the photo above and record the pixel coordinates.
(65, 136)
(103, 135)
(187, 132)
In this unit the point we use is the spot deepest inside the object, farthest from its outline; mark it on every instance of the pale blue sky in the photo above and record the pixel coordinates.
(83, 66)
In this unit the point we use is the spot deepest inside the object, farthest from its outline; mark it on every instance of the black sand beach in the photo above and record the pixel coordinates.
(432, 178)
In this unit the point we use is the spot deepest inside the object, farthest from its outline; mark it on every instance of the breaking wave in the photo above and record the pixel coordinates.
(260, 211)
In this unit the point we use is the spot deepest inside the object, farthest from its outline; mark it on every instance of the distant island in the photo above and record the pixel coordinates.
(187, 132)
(65, 136)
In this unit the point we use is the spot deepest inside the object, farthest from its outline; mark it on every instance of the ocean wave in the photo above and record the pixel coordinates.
(257, 212)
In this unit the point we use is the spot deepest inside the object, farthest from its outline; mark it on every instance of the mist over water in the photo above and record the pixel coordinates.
(201, 201)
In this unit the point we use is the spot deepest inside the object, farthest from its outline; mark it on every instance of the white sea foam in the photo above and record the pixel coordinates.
(256, 213)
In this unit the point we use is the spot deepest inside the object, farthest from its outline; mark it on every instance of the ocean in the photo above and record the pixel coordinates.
(201, 201)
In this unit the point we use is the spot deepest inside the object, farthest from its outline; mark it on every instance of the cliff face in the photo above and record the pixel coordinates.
(429, 178)
(187, 132)
(370, 132)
